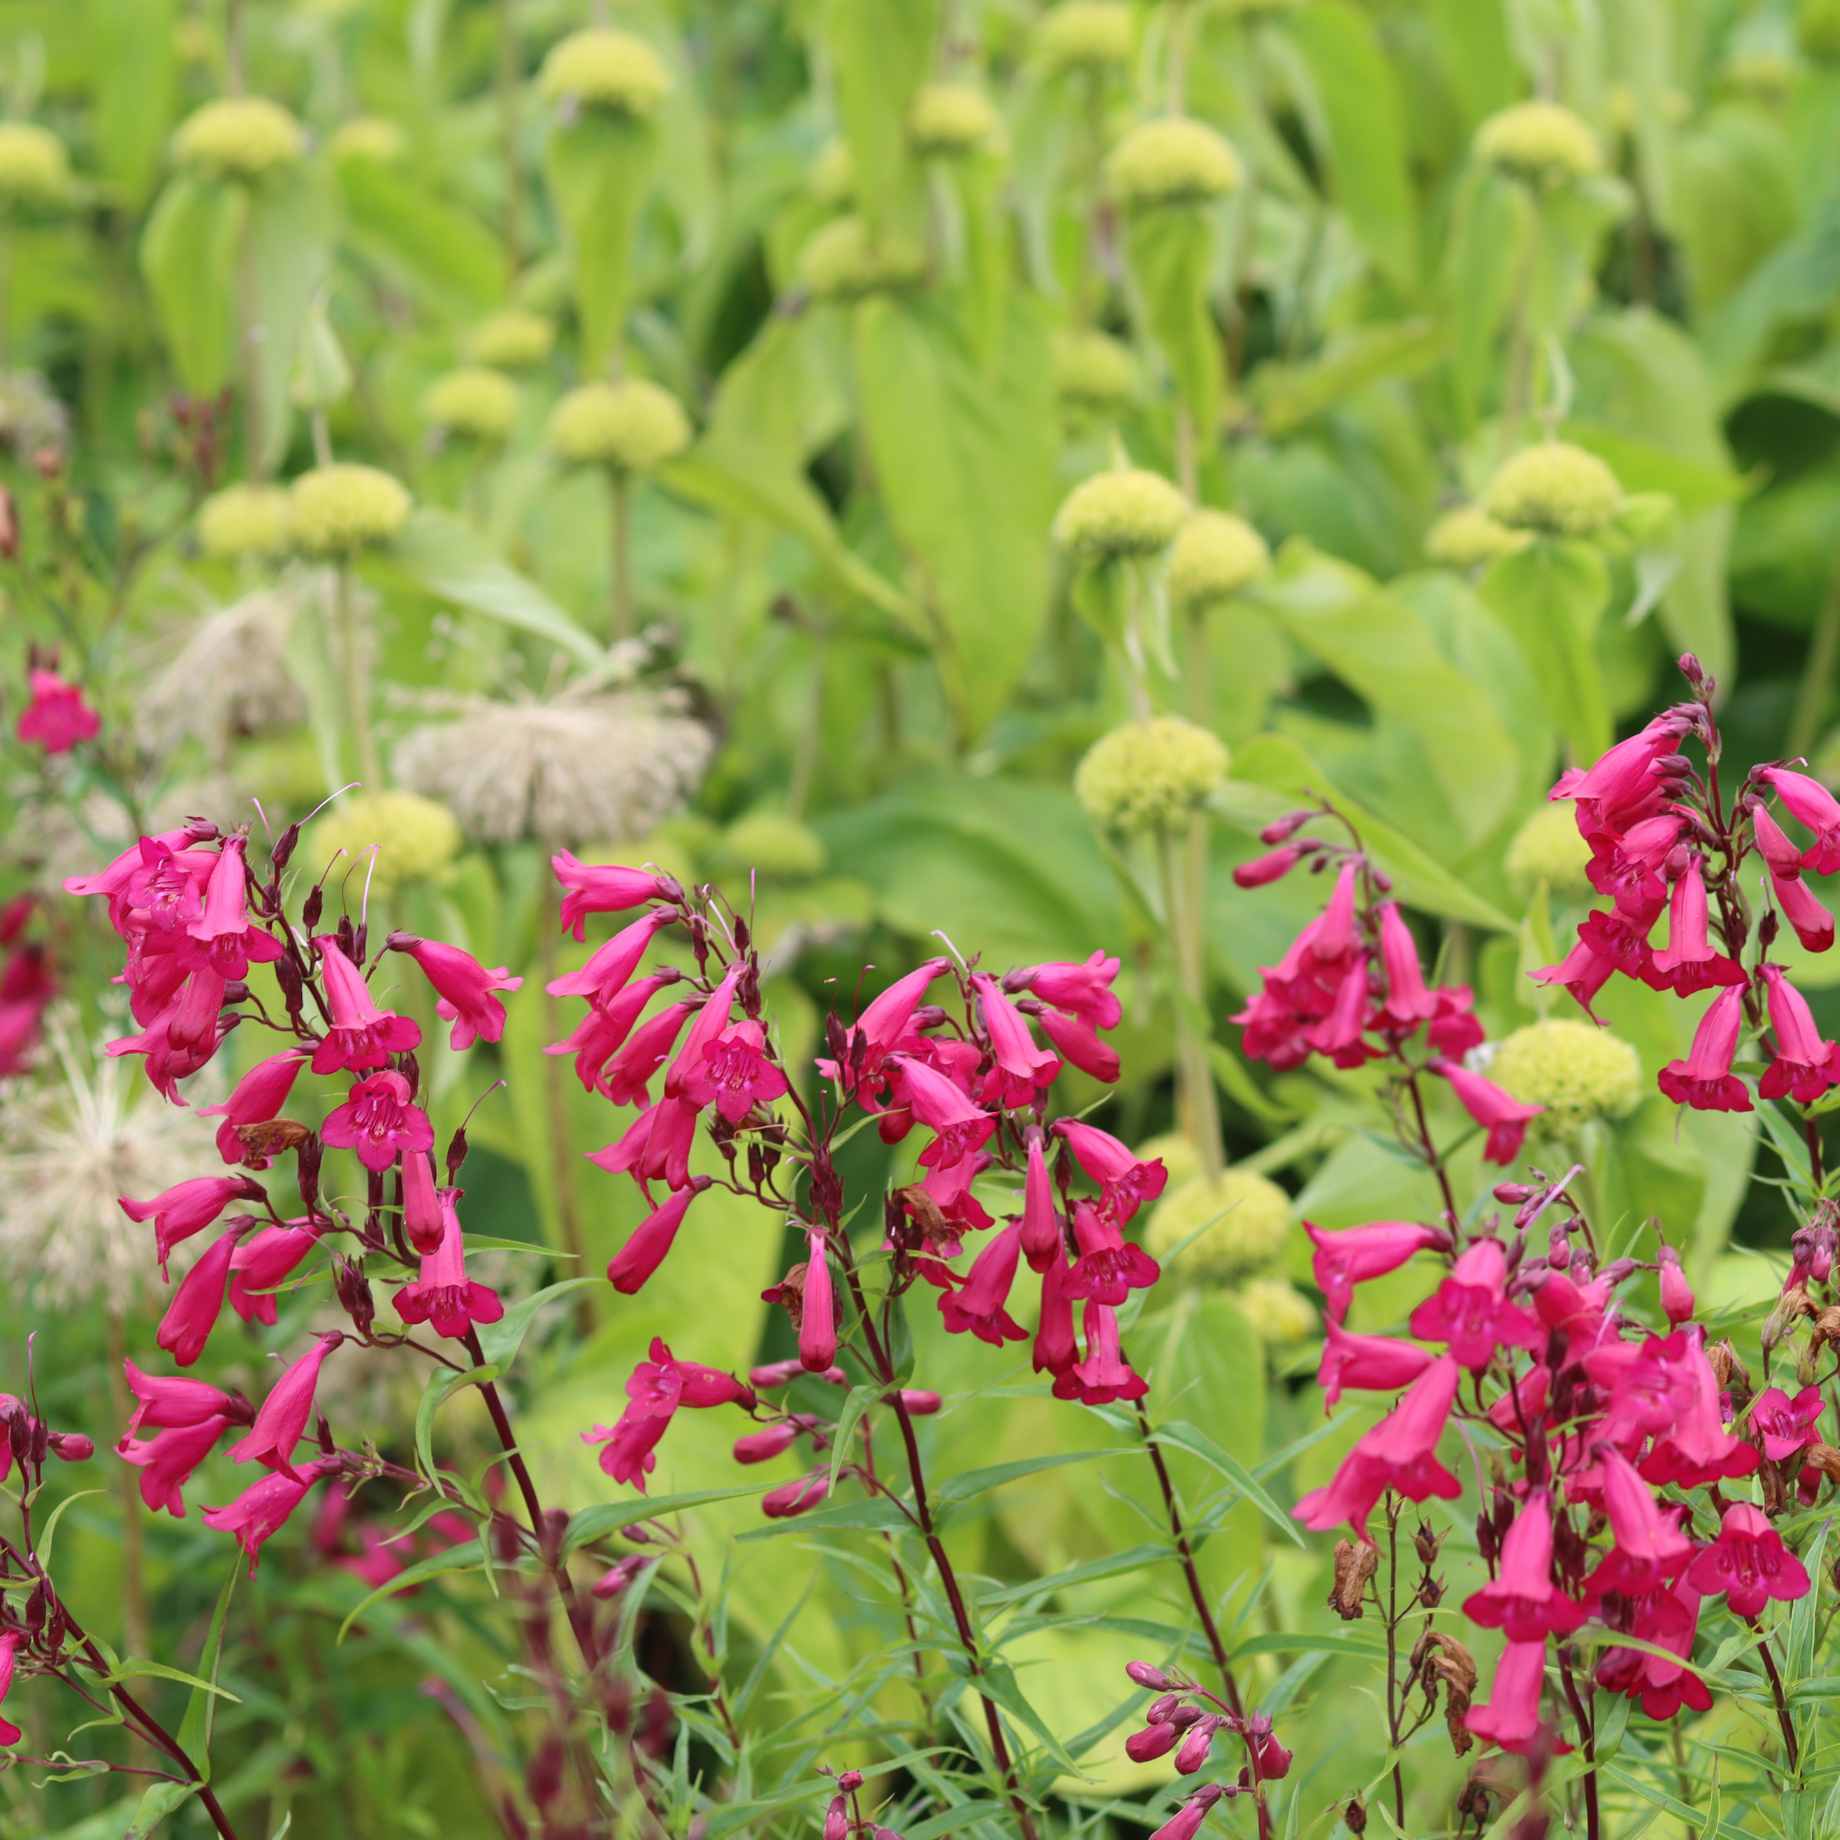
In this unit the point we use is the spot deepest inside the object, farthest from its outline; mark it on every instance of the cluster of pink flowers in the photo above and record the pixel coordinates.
(56, 716)
(1662, 837)
(971, 1077)
(27, 985)
(1185, 1718)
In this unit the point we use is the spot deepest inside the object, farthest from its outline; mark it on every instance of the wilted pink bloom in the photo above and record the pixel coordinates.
(463, 986)
(1498, 1112)
(442, 1295)
(1355, 1254)
(1075, 1040)
(1125, 1181)
(188, 1207)
(1704, 1080)
(379, 1120)
(360, 1034)
(1649, 1547)
(613, 961)
(735, 1073)
(1688, 963)
(1469, 1311)
(818, 1316)
(595, 888)
(1511, 1715)
(264, 1507)
(1810, 802)
(1103, 1375)
(167, 1404)
(1109, 1266)
(760, 1446)
(1749, 1563)
(1805, 1065)
(798, 1497)
(282, 1418)
(192, 1314)
(57, 717)
(1366, 1363)
(1398, 1453)
(656, 1146)
(263, 1261)
(651, 1240)
(1676, 1292)
(166, 1462)
(1408, 1002)
(980, 1307)
(1085, 990)
(1784, 1425)
(257, 1098)
(1522, 1600)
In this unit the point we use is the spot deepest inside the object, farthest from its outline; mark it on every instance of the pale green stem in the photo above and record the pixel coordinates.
(1199, 1108)
(1817, 685)
(511, 223)
(355, 668)
(622, 553)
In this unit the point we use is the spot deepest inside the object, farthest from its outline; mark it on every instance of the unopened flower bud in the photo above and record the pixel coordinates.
(1282, 830)
(633, 426)
(1354, 1816)
(837, 1818)
(1152, 1742)
(850, 1781)
(1215, 556)
(1161, 1709)
(1271, 867)
(354, 1293)
(919, 1402)
(1467, 538)
(1193, 1754)
(1148, 1674)
(72, 1446)
(1093, 370)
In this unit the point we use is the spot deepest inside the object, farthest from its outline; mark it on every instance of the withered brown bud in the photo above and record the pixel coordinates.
(1442, 1658)
(271, 1138)
(1823, 1458)
(1355, 1563)
(1730, 1372)
(1790, 1308)
(1425, 1544)
(1354, 1816)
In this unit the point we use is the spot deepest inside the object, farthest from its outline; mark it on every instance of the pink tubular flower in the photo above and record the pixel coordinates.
(443, 1295)
(651, 1241)
(1781, 855)
(1498, 1112)
(869, 1039)
(423, 1225)
(57, 717)
(1104, 1375)
(979, 1308)
(1400, 1452)
(1784, 1425)
(463, 986)
(222, 936)
(1271, 867)
(1625, 772)
(166, 1463)
(1676, 1292)
(626, 1077)
(1338, 1034)
(655, 1391)
(1023, 1071)
(1687, 963)
(599, 1034)
(1813, 924)
(1511, 1715)
(1810, 802)
(762, 1446)
(1355, 1254)
(263, 1261)
(188, 1207)
(1075, 1041)
(1366, 1364)
(360, 1034)
(1649, 1547)
(263, 1508)
(800, 1497)
(1749, 1563)
(656, 1146)
(818, 1314)
(1522, 1600)
(192, 1314)
(1185, 1823)
(11, 1642)
(1109, 1266)
(282, 1419)
(379, 1120)
(1125, 1182)
(1667, 1619)
(171, 1404)
(1084, 990)
(938, 1103)
(1056, 1348)
(735, 1074)
(1704, 1080)
(1805, 1065)
(614, 961)
(1041, 1221)
(257, 1098)
(595, 888)
(1469, 1311)
(1583, 972)
(1695, 1448)
(1408, 1002)
(712, 1014)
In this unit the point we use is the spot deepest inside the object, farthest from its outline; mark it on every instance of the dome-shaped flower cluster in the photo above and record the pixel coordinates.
(1151, 775)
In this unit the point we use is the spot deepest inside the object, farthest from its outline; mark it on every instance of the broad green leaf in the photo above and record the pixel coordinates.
(1287, 394)
(880, 51)
(134, 65)
(599, 166)
(1550, 596)
(444, 256)
(289, 255)
(190, 256)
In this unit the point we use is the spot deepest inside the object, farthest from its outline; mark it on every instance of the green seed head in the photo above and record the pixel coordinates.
(246, 521)
(511, 341)
(345, 507)
(1084, 35)
(1539, 141)
(34, 168)
(1468, 538)
(632, 426)
(1548, 849)
(473, 401)
(845, 260)
(1242, 1221)
(1216, 555)
(416, 839)
(602, 68)
(1150, 776)
(833, 174)
(1578, 1072)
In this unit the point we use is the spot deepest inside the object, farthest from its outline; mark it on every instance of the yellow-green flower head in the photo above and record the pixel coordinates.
(845, 260)
(1764, 76)
(833, 174)
(416, 839)
(242, 137)
(774, 844)
(34, 168)
(1241, 1218)
(1555, 489)
(1578, 1072)
(1548, 849)
(606, 69)
(344, 507)
(1468, 537)
(1541, 141)
(1173, 160)
(1151, 775)
(632, 426)
(950, 118)
(369, 137)
(1124, 512)
(512, 341)
(1093, 370)
(246, 521)
(1216, 554)
(1278, 1313)
(1084, 35)
(1817, 27)
(473, 401)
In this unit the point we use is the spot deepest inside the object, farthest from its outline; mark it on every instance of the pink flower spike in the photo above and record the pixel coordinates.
(735, 1074)
(1805, 1066)
(1511, 1715)
(263, 1261)
(651, 1241)
(379, 1121)
(166, 1463)
(172, 1404)
(1084, 990)
(57, 717)
(595, 888)
(1041, 1221)
(980, 1307)
(614, 961)
(1784, 1425)
(282, 1419)
(257, 1098)
(1813, 805)
(192, 1314)
(1749, 1563)
(263, 1508)
(1704, 1080)
(464, 987)
(361, 1035)
(1400, 1452)
(442, 1295)
(818, 1317)
(1355, 1254)
(188, 1207)
(1498, 1112)
(1408, 1002)
(1522, 1600)
(1813, 924)
(1366, 1364)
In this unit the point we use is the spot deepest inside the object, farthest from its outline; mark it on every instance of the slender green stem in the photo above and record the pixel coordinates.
(1195, 1076)
(511, 220)
(621, 491)
(1816, 688)
(355, 668)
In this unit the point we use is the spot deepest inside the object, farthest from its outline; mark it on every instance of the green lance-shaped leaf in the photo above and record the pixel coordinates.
(189, 256)
(1551, 597)
(599, 166)
(880, 52)
(1170, 251)
(288, 257)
